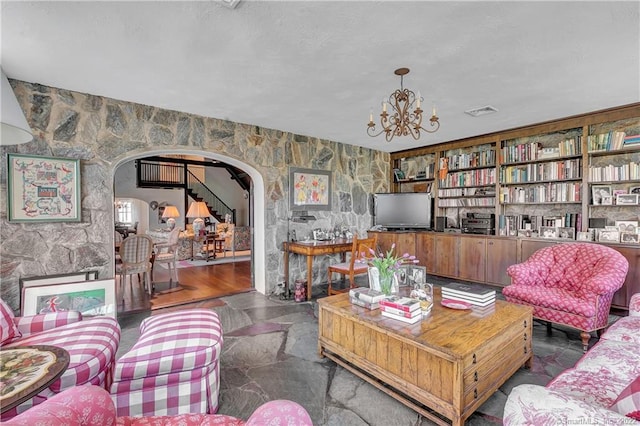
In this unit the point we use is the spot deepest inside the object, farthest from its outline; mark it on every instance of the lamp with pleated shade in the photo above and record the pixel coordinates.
(14, 129)
(198, 210)
(170, 213)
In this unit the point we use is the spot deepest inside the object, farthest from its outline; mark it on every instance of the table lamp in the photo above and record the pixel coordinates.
(198, 210)
(170, 213)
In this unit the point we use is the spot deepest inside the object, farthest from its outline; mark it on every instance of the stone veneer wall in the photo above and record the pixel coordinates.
(104, 132)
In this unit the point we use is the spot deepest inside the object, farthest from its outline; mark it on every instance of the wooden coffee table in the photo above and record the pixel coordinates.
(444, 367)
(27, 370)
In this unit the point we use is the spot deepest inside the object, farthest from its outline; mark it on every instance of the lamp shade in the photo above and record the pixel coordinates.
(170, 211)
(14, 130)
(198, 209)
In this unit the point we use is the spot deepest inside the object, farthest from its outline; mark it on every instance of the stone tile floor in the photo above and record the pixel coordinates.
(270, 352)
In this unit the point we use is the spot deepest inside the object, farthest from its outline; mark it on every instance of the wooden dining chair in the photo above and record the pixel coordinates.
(135, 253)
(355, 265)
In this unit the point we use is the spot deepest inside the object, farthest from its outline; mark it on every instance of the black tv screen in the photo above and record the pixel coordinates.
(407, 210)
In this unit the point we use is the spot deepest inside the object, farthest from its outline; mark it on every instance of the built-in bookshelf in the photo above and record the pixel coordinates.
(544, 173)
(415, 174)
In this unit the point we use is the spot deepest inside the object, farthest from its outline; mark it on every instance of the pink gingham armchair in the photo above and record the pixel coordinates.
(172, 368)
(92, 406)
(92, 344)
(570, 284)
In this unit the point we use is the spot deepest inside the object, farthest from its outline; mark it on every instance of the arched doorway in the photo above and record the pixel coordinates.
(256, 200)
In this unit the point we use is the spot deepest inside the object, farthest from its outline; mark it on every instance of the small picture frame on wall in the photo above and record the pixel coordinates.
(608, 236)
(309, 189)
(548, 232)
(626, 199)
(598, 192)
(566, 233)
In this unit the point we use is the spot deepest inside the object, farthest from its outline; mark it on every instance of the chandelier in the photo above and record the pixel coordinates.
(402, 121)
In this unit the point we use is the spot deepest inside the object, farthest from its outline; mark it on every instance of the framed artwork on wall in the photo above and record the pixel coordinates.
(91, 298)
(309, 189)
(43, 189)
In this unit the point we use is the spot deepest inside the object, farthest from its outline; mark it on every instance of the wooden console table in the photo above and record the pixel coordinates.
(443, 367)
(311, 249)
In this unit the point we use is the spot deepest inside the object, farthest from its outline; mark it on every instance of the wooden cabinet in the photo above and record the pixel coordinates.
(501, 253)
(405, 241)
(472, 258)
(528, 247)
(425, 250)
(446, 255)
(632, 283)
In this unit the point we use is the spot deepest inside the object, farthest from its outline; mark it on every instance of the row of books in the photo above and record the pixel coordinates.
(469, 178)
(630, 171)
(511, 224)
(474, 294)
(611, 141)
(568, 169)
(535, 151)
(465, 161)
(543, 193)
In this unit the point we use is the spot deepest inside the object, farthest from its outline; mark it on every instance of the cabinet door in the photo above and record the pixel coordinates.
(501, 253)
(405, 242)
(632, 283)
(425, 250)
(446, 255)
(473, 257)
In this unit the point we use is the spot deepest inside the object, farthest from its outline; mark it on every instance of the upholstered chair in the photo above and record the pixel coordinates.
(570, 284)
(92, 344)
(167, 253)
(135, 254)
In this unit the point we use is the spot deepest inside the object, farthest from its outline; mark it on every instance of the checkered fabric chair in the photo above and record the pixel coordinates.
(167, 252)
(135, 254)
(173, 367)
(92, 344)
(570, 284)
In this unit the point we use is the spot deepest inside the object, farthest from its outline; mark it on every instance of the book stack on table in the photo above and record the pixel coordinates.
(400, 308)
(474, 294)
(366, 297)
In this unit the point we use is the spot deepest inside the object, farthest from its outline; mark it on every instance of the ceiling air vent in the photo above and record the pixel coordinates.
(477, 112)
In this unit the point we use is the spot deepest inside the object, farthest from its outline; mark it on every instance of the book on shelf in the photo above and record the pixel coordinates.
(412, 320)
(632, 140)
(366, 294)
(472, 301)
(405, 304)
(475, 291)
(400, 312)
(362, 303)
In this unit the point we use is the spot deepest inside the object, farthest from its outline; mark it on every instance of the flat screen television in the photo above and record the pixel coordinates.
(406, 210)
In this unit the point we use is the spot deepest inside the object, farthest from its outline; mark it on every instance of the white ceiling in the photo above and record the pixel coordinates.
(316, 68)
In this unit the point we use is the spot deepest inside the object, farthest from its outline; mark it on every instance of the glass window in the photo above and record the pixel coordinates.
(125, 211)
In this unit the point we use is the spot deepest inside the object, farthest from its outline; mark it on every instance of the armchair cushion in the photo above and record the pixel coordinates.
(43, 322)
(9, 329)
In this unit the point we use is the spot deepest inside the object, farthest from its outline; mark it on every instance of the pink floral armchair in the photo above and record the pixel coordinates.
(92, 406)
(570, 284)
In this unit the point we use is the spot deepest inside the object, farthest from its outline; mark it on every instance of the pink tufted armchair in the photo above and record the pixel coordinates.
(92, 406)
(570, 284)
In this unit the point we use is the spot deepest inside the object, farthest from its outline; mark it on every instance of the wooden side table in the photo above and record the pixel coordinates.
(27, 370)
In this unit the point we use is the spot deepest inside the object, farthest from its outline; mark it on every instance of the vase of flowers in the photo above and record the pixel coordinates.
(383, 268)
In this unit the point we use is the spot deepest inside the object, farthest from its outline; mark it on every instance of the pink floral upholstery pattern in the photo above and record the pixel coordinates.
(634, 305)
(92, 406)
(571, 284)
(584, 394)
(91, 343)
(173, 367)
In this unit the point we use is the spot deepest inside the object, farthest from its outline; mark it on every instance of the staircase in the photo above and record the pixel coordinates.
(163, 173)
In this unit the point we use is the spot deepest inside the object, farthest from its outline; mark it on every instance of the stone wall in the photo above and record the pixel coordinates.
(104, 133)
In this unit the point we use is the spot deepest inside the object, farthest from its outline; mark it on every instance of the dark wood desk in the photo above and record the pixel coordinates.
(310, 249)
(28, 370)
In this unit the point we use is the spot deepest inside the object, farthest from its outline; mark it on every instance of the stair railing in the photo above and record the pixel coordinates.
(196, 186)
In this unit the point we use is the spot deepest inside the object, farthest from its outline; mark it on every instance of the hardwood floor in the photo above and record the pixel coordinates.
(196, 283)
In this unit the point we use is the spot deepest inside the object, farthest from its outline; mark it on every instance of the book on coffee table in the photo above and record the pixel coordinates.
(469, 300)
(411, 320)
(405, 304)
(366, 294)
(469, 291)
(367, 305)
(400, 312)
